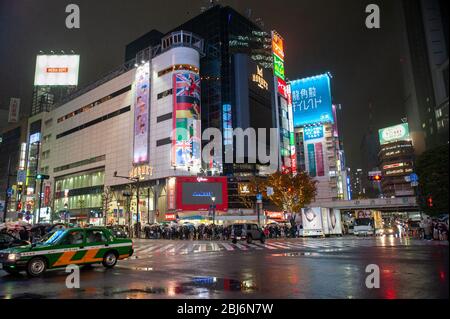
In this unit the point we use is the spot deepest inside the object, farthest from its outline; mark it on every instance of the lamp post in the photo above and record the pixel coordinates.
(66, 206)
(136, 181)
(213, 199)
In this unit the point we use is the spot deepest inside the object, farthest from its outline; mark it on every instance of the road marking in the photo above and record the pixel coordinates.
(241, 247)
(164, 248)
(265, 246)
(149, 249)
(227, 246)
(280, 245)
(254, 246)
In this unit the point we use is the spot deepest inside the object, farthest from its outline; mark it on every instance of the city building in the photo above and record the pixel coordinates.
(396, 161)
(425, 69)
(358, 190)
(13, 139)
(319, 146)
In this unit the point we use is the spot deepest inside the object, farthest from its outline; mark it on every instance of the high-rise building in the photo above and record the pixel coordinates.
(425, 69)
(396, 161)
(319, 146)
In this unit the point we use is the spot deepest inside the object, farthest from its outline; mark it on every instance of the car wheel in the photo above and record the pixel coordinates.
(36, 267)
(249, 239)
(234, 241)
(110, 259)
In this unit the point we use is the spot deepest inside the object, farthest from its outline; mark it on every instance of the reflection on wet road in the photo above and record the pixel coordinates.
(297, 268)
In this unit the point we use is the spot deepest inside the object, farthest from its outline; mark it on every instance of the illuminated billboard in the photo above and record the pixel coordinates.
(186, 142)
(311, 100)
(315, 150)
(394, 133)
(54, 70)
(197, 193)
(278, 45)
(278, 67)
(141, 114)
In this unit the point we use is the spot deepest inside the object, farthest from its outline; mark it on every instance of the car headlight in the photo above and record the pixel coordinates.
(13, 257)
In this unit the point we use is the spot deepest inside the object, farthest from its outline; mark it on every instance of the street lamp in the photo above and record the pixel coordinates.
(136, 181)
(213, 199)
(66, 206)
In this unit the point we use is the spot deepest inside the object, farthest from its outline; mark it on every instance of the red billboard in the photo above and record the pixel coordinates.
(198, 193)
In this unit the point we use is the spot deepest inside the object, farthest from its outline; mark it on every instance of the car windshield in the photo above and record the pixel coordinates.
(363, 222)
(54, 237)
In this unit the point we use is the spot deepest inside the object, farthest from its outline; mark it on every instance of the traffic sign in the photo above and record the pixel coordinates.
(413, 177)
(414, 184)
(21, 176)
(269, 191)
(10, 192)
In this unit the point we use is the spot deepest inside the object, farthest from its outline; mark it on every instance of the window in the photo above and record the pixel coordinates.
(164, 141)
(95, 103)
(164, 117)
(73, 238)
(93, 122)
(95, 236)
(164, 94)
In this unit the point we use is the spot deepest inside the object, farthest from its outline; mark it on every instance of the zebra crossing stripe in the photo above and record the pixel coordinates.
(254, 246)
(163, 248)
(280, 245)
(241, 247)
(265, 246)
(147, 250)
(227, 246)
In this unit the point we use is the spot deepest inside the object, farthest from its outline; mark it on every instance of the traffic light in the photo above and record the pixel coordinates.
(19, 206)
(375, 178)
(42, 177)
(430, 201)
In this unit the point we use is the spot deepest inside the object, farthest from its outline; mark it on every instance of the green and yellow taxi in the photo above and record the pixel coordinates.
(73, 246)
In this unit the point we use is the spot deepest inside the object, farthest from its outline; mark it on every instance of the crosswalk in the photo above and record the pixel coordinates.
(148, 248)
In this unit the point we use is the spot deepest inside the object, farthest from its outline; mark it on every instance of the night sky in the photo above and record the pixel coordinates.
(321, 35)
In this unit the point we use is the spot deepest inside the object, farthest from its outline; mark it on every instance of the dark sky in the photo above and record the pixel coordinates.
(321, 35)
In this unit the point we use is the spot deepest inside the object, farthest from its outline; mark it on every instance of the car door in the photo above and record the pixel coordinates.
(96, 244)
(70, 249)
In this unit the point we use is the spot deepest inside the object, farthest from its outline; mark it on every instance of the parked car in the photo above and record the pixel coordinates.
(8, 241)
(80, 246)
(248, 232)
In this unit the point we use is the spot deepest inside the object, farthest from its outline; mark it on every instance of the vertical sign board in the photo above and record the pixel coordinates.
(315, 149)
(186, 142)
(141, 114)
(312, 221)
(14, 110)
(282, 105)
(291, 132)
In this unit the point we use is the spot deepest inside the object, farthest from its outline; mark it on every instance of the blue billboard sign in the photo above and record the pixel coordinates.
(311, 100)
(312, 132)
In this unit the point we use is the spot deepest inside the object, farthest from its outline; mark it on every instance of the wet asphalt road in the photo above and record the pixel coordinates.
(293, 268)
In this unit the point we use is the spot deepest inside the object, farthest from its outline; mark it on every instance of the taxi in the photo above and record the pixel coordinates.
(73, 246)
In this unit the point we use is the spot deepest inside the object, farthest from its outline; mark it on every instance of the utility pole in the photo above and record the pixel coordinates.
(5, 209)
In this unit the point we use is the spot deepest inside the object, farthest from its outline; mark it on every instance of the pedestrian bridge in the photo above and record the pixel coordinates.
(382, 204)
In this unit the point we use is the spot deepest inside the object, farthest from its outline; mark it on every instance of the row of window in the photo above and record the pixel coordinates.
(80, 163)
(93, 122)
(178, 67)
(93, 104)
(81, 181)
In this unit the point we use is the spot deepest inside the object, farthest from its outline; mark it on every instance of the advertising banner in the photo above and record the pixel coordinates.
(311, 100)
(394, 133)
(141, 114)
(331, 219)
(186, 144)
(14, 110)
(277, 45)
(312, 221)
(53, 70)
(315, 150)
(278, 67)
